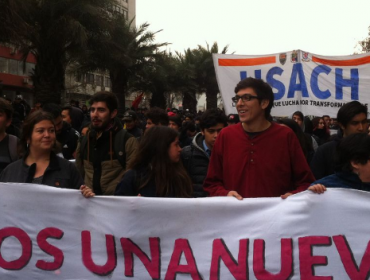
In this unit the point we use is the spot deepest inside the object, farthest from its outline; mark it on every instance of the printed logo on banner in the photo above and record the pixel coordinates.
(305, 57)
(282, 58)
(294, 57)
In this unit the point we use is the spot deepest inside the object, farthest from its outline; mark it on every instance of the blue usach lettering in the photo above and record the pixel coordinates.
(297, 82)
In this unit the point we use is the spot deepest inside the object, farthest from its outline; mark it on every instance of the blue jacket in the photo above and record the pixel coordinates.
(346, 180)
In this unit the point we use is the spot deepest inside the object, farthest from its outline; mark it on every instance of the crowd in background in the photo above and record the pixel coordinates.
(168, 153)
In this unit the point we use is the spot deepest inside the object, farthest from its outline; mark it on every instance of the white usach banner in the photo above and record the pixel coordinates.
(301, 81)
(50, 233)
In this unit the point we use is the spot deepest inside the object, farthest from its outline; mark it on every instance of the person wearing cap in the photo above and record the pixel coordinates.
(130, 120)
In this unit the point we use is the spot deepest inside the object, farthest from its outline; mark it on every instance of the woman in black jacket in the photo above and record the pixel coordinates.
(40, 165)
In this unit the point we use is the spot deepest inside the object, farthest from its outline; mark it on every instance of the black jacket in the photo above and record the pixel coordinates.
(196, 160)
(68, 138)
(60, 173)
(322, 163)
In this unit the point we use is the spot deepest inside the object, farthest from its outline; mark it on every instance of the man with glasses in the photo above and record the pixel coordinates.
(256, 158)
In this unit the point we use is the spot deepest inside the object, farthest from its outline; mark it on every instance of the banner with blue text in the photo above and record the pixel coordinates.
(301, 81)
(50, 233)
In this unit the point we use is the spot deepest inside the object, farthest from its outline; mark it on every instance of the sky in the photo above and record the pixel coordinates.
(323, 27)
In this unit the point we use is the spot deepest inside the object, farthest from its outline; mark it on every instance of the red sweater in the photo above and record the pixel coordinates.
(268, 165)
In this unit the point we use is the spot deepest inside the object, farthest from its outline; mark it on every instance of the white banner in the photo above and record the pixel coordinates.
(313, 84)
(50, 233)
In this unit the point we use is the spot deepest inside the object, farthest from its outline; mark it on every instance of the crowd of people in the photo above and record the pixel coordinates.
(172, 153)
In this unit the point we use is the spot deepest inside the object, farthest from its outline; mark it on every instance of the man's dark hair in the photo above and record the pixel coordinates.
(52, 108)
(299, 114)
(69, 108)
(176, 119)
(325, 116)
(262, 89)
(355, 147)
(212, 117)
(157, 116)
(105, 96)
(7, 108)
(349, 110)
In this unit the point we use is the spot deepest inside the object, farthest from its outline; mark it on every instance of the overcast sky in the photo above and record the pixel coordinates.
(324, 27)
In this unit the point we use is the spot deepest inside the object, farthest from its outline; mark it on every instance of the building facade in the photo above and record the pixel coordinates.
(15, 74)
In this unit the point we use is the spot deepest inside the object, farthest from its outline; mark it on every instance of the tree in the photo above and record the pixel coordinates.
(125, 51)
(365, 44)
(205, 72)
(53, 31)
(186, 79)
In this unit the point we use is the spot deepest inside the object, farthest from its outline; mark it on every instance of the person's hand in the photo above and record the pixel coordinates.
(317, 188)
(235, 194)
(86, 191)
(284, 196)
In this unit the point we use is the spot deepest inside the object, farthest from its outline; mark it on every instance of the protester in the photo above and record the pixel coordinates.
(107, 149)
(327, 120)
(299, 118)
(320, 130)
(155, 117)
(66, 114)
(256, 158)
(131, 120)
(156, 171)
(188, 131)
(174, 122)
(352, 118)
(67, 136)
(195, 157)
(8, 143)
(76, 115)
(36, 107)
(352, 165)
(304, 139)
(21, 107)
(40, 165)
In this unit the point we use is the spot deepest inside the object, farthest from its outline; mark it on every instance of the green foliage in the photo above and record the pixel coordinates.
(365, 44)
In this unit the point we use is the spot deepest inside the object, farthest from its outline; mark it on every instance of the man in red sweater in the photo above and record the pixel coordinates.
(256, 157)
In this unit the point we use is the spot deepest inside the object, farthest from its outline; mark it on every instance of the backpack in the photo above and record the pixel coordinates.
(12, 146)
(120, 140)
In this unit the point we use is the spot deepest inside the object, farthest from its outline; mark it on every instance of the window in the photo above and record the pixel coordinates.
(107, 82)
(13, 66)
(29, 68)
(80, 78)
(99, 80)
(20, 68)
(3, 65)
(125, 14)
(89, 78)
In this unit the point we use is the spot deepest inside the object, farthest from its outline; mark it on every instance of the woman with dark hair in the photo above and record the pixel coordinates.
(156, 171)
(320, 130)
(352, 165)
(40, 165)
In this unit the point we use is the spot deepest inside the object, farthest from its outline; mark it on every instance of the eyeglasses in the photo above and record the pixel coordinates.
(244, 98)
